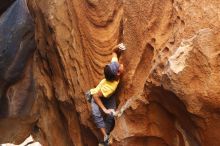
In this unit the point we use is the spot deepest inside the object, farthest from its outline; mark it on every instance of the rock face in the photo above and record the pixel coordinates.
(17, 45)
(29, 141)
(169, 92)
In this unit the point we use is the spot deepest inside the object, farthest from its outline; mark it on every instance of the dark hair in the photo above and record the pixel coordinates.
(109, 75)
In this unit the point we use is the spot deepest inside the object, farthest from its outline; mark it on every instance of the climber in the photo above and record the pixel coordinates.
(102, 97)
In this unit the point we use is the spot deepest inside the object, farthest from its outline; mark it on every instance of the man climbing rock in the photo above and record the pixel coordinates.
(102, 97)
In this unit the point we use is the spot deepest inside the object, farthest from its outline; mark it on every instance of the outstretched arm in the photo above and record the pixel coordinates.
(114, 57)
(116, 53)
(117, 50)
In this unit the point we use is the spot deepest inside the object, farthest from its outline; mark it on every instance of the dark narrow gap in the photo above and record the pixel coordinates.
(175, 106)
(121, 31)
(59, 108)
(4, 109)
(5, 4)
(86, 135)
(29, 143)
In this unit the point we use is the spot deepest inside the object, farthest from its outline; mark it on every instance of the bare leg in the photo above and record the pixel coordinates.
(103, 131)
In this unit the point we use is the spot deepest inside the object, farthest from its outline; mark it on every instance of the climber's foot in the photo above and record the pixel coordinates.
(106, 140)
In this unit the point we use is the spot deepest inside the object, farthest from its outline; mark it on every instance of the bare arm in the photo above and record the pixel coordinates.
(98, 101)
(114, 57)
(117, 50)
(116, 53)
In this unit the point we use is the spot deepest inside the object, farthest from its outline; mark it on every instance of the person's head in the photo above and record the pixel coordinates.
(113, 70)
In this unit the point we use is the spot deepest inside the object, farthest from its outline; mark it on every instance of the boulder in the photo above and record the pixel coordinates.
(17, 46)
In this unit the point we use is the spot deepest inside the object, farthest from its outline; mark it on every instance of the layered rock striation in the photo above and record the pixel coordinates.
(169, 93)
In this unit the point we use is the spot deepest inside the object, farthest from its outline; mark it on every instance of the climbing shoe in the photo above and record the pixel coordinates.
(106, 140)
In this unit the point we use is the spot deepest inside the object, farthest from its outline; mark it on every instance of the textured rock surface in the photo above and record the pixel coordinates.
(170, 89)
(171, 83)
(74, 44)
(17, 46)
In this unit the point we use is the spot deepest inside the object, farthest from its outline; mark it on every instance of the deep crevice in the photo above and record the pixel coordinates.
(175, 106)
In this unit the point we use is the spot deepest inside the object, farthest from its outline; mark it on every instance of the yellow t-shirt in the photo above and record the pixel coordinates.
(107, 88)
(114, 59)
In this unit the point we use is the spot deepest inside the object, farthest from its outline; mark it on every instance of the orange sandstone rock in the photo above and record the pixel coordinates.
(169, 93)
